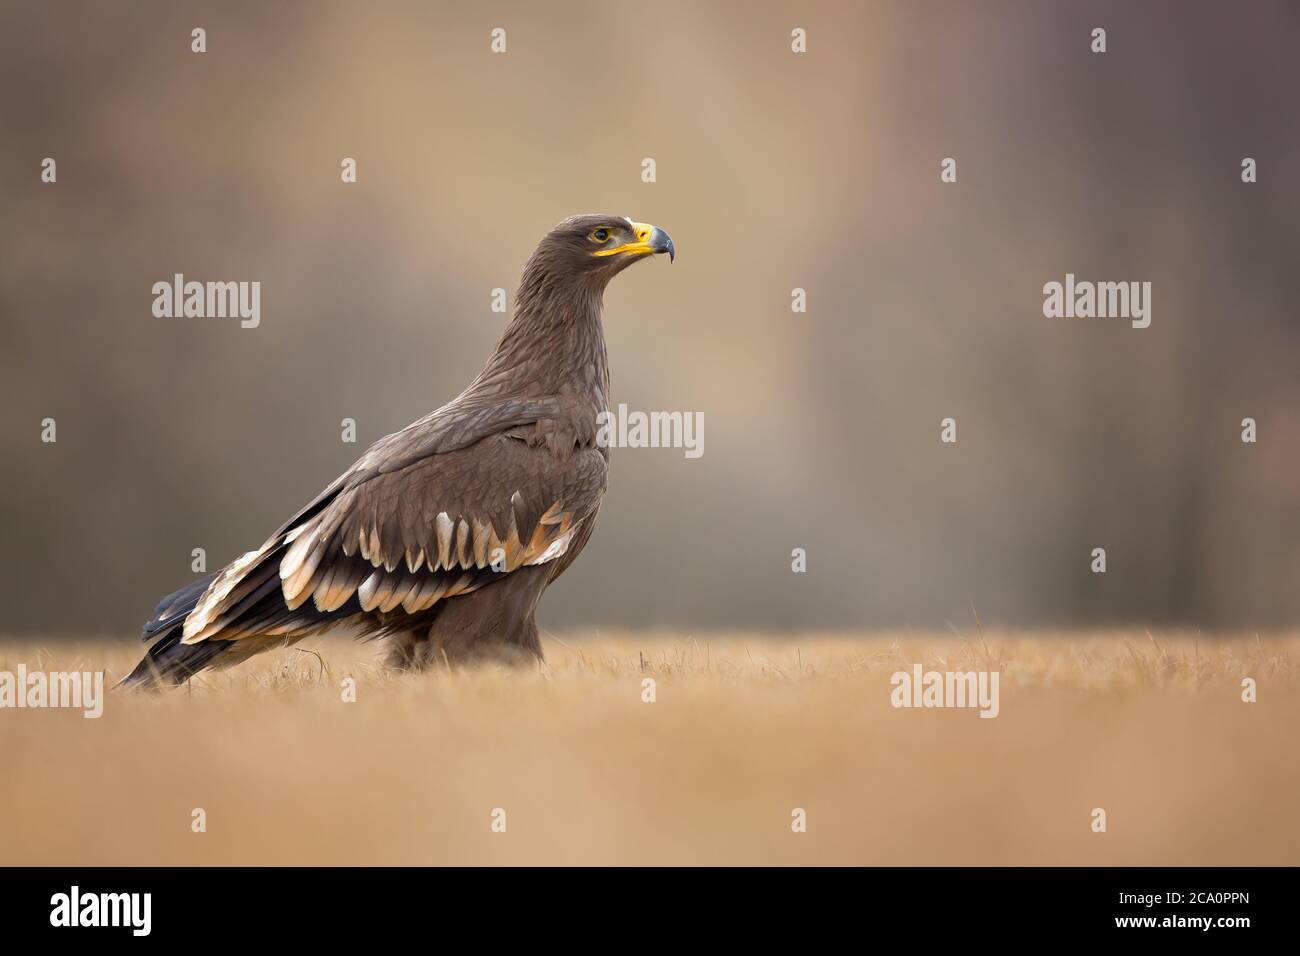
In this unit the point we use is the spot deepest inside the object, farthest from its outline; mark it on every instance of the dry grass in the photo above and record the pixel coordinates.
(744, 729)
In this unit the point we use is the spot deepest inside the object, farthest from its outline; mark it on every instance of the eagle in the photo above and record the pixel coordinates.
(443, 536)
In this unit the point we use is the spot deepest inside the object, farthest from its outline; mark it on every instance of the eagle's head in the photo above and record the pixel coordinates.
(600, 247)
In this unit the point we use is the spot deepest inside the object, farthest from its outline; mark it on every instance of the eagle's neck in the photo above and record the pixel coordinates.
(555, 344)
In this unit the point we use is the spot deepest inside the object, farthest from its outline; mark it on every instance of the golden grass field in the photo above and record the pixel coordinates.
(744, 729)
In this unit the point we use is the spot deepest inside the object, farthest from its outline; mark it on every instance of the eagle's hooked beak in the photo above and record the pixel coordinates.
(650, 240)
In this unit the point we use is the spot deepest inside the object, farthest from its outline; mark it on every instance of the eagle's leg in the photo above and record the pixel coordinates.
(407, 651)
(495, 624)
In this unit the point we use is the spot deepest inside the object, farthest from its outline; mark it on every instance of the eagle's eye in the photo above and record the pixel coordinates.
(599, 235)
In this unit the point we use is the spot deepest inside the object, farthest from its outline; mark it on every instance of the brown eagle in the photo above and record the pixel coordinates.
(443, 536)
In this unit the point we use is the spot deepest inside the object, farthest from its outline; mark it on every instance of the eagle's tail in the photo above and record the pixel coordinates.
(169, 661)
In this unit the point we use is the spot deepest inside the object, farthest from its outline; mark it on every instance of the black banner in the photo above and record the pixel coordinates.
(323, 905)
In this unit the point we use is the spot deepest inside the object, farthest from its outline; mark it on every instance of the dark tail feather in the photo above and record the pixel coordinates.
(169, 661)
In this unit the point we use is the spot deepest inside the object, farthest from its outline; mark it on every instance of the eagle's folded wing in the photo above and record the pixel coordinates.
(397, 541)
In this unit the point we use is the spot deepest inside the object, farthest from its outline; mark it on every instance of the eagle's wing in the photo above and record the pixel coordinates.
(433, 511)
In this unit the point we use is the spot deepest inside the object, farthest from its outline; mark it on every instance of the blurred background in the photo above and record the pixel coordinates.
(774, 171)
